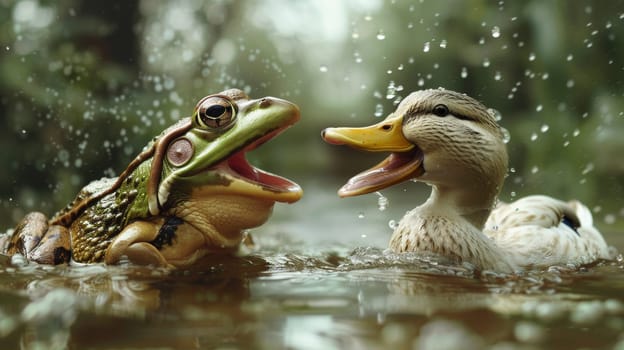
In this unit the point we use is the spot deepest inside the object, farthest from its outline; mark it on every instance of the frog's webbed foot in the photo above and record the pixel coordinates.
(132, 242)
(40, 242)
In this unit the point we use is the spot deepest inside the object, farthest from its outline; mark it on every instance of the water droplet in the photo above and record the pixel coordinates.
(360, 215)
(533, 136)
(400, 67)
(534, 170)
(378, 110)
(609, 219)
(576, 132)
(391, 92)
(539, 108)
(531, 56)
(506, 135)
(392, 224)
(381, 35)
(498, 76)
(464, 73)
(8, 48)
(486, 62)
(570, 57)
(570, 84)
(355, 35)
(495, 32)
(382, 201)
(544, 128)
(323, 68)
(496, 114)
(443, 44)
(426, 47)
(588, 168)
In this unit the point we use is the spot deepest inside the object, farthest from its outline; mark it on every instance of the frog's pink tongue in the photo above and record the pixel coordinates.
(239, 164)
(397, 167)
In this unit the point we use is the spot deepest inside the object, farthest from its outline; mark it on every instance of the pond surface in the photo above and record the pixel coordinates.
(317, 278)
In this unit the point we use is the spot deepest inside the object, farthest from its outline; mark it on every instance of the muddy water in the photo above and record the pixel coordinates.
(318, 278)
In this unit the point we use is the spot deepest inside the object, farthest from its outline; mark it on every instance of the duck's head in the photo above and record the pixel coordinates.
(439, 136)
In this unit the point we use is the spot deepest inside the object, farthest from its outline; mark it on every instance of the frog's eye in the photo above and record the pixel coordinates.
(215, 113)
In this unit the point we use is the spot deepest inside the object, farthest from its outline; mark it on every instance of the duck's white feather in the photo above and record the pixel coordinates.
(540, 230)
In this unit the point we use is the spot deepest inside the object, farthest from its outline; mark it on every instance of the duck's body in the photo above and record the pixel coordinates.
(528, 232)
(453, 143)
(540, 230)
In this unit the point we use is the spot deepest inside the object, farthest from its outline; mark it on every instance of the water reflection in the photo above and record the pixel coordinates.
(68, 303)
(365, 297)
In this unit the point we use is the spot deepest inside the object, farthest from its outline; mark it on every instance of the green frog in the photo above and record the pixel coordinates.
(189, 193)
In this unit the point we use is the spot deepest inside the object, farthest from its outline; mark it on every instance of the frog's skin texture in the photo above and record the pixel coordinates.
(191, 192)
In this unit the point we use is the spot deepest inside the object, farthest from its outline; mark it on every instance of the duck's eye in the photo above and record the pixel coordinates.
(441, 110)
(215, 113)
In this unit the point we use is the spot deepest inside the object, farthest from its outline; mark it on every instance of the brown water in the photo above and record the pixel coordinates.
(318, 279)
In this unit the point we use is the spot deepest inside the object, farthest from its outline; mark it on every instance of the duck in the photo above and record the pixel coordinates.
(453, 143)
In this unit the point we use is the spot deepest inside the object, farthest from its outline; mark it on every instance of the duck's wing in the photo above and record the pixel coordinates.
(540, 230)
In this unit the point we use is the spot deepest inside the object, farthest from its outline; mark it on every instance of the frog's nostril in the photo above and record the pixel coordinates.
(264, 103)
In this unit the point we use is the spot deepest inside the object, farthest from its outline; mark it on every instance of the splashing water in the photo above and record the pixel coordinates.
(379, 110)
(391, 91)
(382, 201)
(496, 32)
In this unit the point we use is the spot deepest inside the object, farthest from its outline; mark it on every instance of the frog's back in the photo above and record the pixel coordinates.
(86, 192)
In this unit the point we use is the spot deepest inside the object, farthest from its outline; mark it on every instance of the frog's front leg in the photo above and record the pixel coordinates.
(134, 242)
(35, 239)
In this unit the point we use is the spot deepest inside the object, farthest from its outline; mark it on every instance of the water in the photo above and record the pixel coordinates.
(318, 277)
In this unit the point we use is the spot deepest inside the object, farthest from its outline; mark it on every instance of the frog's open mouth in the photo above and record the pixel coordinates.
(237, 165)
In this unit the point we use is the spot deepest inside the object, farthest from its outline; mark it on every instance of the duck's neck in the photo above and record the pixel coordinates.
(441, 226)
(473, 204)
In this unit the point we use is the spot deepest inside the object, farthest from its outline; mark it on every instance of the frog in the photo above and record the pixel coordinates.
(189, 193)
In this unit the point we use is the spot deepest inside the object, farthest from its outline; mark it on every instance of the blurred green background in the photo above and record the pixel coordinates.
(84, 85)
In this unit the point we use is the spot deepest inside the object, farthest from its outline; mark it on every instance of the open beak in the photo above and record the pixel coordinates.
(404, 162)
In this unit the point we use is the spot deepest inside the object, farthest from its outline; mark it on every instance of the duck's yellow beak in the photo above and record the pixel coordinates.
(404, 163)
(385, 136)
